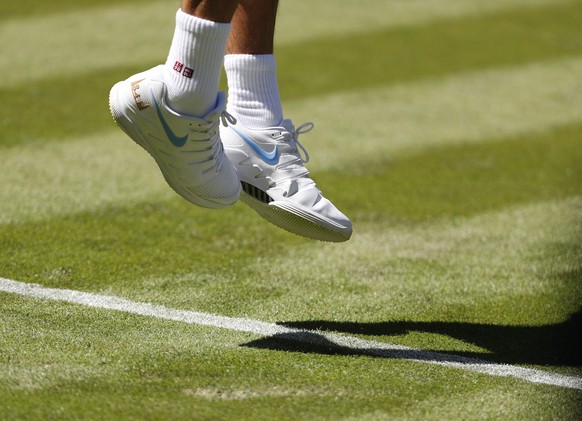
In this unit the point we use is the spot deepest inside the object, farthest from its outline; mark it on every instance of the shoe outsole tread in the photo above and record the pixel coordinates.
(295, 223)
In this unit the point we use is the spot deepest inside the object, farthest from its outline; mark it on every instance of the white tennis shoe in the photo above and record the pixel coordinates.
(187, 149)
(277, 185)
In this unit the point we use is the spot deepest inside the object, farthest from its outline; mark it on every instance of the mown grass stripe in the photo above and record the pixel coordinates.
(342, 342)
(75, 48)
(306, 12)
(106, 168)
(392, 121)
(461, 180)
(487, 268)
(383, 56)
(493, 268)
(77, 99)
(342, 17)
(10, 10)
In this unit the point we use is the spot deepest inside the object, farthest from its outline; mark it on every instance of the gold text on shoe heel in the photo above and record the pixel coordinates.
(137, 97)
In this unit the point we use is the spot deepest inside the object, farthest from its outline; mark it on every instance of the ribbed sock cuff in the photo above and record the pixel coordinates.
(192, 69)
(253, 91)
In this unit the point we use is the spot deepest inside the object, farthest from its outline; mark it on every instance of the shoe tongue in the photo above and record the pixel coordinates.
(287, 125)
(218, 109)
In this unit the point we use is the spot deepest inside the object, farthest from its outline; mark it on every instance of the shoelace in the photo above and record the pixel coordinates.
(304, 128)
(208, 131)
(292, 139)
(227, 118)
(294, 168)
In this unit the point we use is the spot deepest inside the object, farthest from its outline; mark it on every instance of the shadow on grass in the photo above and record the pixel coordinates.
(555, 344)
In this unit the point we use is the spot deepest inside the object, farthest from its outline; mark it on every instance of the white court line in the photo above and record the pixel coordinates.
(346, 343)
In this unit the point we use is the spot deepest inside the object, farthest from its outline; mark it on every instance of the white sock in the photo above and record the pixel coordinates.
(192, 70)
(253, 92)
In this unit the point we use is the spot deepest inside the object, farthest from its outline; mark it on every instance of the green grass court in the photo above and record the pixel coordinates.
(450, 131)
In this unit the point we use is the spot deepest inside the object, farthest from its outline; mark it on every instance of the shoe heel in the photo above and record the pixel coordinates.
(113, 99)
(116, 109)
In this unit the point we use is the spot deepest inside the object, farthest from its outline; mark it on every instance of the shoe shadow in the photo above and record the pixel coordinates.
(555, 344)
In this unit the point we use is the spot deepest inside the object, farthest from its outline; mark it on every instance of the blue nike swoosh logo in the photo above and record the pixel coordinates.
(271, 157)
(176, 140)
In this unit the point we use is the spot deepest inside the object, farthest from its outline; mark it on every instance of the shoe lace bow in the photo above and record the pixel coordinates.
(302, 129)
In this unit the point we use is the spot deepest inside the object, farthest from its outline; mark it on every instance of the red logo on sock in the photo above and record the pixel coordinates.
(178, 66)
(188, 72)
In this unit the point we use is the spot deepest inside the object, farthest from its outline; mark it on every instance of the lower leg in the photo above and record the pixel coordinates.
(253, 27)
(214, 10)
(250, 65)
